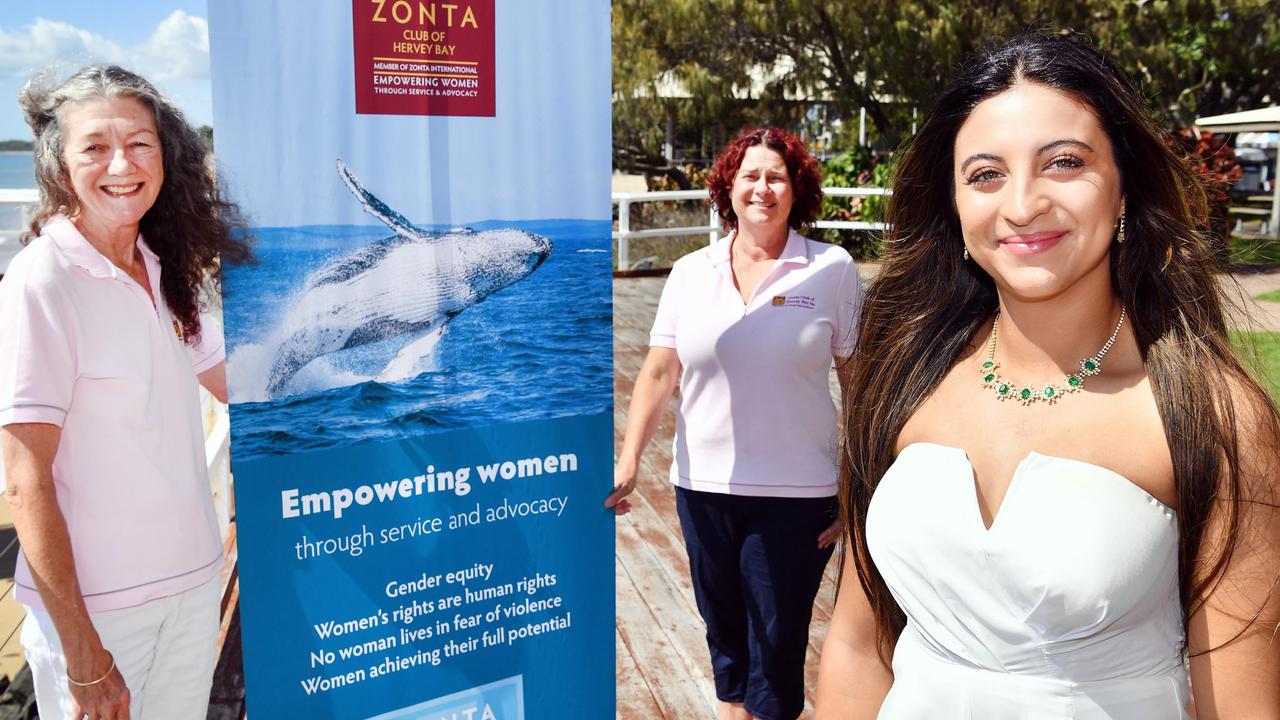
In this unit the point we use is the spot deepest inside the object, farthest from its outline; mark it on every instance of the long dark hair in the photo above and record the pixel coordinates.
(924, 308)
(190, 227)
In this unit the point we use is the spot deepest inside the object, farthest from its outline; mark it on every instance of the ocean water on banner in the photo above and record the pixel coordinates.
(499, 360)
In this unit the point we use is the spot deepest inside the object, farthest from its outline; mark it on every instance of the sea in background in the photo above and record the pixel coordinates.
(17, 170)
(540, 348)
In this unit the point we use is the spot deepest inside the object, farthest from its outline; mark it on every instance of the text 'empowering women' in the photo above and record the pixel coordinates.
(336, 502)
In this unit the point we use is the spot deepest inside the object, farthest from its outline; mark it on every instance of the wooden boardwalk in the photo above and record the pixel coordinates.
(664, 670)
(11, 612)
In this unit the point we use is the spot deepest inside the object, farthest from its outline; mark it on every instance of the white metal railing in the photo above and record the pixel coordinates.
(624, 234)
(15, 210)
(217, 453)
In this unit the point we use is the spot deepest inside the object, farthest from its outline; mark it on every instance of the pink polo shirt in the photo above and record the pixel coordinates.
(82, 347)
(756, 415)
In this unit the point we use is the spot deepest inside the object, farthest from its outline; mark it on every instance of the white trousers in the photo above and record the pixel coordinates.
(164, 649)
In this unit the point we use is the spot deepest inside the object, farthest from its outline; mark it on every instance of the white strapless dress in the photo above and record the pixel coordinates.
(1067, 607)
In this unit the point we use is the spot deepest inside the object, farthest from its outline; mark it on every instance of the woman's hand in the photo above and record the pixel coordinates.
(828, 537)
(624, 481)
(108, 700)
(655, 383)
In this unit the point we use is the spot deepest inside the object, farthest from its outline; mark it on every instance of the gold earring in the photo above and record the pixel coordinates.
(1120, 234)
(966, 253)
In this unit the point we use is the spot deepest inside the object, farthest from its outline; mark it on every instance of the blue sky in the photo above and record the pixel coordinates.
(167, 41)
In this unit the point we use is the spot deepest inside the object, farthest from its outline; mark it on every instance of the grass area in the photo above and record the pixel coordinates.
(1273, 296)
(1261, 350)
(1255, 251)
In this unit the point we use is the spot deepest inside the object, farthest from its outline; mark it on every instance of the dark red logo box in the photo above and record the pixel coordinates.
(419, 57)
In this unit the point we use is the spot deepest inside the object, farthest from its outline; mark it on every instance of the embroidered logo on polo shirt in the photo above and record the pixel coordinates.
(797, 301)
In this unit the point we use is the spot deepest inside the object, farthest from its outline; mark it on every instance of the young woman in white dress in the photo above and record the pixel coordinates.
(1059, 484)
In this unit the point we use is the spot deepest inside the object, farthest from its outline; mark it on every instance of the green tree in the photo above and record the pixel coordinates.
(1197, 58)
(1192, 57)
(206, 134)
(670, 82)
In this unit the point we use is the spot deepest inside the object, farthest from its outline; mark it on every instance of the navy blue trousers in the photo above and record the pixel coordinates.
(756, 568)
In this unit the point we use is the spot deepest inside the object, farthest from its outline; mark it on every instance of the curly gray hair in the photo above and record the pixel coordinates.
(190, 225)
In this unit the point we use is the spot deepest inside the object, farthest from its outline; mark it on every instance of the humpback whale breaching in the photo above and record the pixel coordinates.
(408, 285)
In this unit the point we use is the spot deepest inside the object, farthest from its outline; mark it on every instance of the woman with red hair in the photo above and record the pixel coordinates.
(749, 328)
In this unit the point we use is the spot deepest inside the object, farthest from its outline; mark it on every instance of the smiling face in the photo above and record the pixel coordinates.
(762, 195)
(114, 162)
(1037, 190)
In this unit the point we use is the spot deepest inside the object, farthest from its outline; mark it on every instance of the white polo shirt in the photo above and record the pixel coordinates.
(82, 347)
(756, 415)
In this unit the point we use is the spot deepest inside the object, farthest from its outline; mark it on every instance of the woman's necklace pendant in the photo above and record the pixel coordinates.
(1027, 395)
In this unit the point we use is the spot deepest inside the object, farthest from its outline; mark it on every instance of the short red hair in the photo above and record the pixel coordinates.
(806, 180)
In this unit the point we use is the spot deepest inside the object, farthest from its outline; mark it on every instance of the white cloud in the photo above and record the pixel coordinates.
(53, 45)
(176, 51)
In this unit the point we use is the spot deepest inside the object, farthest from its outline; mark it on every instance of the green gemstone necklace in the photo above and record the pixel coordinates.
(1027, 394)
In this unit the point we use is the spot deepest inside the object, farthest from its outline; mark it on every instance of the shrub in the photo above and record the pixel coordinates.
(1215, 161)
(858, 167)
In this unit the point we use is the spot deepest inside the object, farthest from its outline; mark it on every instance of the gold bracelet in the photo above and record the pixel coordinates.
(95, 682)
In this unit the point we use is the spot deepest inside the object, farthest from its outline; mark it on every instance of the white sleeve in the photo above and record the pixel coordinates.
(211, 349)
(663, 333)
(38, 353)
(848, 308)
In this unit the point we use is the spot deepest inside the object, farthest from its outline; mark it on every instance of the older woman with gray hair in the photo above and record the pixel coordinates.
(103, 450)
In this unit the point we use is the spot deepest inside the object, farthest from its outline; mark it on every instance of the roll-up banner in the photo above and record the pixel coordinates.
(420, 361)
